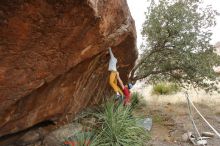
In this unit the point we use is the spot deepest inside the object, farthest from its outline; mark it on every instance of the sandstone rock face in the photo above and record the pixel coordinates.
(53, 57)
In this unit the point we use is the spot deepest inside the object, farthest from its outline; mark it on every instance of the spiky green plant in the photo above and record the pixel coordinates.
(118, 128)
(84, 138)
(137, 101)
(81, 138)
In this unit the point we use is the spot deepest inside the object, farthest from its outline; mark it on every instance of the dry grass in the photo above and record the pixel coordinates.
(212, 100)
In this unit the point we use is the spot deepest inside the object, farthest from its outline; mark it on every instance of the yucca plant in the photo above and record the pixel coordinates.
(118, 128)
(135, 100)
(84, 138)
(81, 138)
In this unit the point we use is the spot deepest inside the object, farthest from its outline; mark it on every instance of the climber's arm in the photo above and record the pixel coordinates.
(111, 54)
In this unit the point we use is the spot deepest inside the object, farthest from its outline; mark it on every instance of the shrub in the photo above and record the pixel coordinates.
(81, 138)
(157, 119)
(165, 88)
(137, 100)
(118, 128)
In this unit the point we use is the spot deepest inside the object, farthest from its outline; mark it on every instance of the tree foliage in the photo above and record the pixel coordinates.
(177, 44)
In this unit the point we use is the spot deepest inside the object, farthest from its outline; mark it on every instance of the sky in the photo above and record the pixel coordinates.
(138, 7)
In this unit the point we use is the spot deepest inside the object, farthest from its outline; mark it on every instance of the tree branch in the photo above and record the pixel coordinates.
(144, 59)
(154, 72)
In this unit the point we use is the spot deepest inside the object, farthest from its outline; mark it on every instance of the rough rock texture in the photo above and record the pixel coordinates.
(62, 134)
(53, 57)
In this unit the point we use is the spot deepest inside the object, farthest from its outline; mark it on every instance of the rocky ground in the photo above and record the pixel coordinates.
(171, 119)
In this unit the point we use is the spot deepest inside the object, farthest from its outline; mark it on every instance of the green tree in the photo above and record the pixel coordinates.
(177, 44)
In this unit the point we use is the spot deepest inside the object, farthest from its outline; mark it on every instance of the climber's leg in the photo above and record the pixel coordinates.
(113, 82)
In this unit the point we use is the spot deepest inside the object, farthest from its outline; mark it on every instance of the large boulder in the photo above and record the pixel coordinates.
(54, 57)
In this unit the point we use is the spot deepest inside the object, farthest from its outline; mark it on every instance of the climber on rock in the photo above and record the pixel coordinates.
(124, 94)
(114, 77)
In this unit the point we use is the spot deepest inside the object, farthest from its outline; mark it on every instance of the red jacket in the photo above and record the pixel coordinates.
(127, 95)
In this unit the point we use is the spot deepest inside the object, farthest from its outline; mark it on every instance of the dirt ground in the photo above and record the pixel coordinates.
(171, 119)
